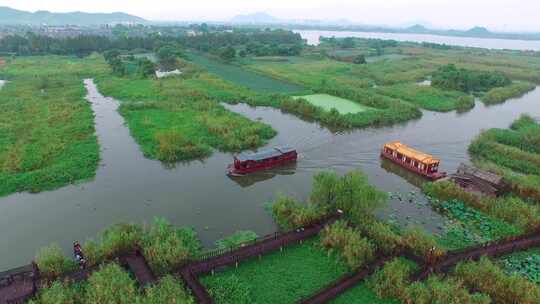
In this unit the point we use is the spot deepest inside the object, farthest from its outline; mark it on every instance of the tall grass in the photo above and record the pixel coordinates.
(500, 95)
(348, 243)
(52, 262)
(111, 284)
(181, 119)
(486, 277)
(165, 247)
(47, 136)
(513, 153)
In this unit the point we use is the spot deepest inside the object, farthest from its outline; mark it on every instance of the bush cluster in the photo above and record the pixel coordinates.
(356, 250)
(165, 247)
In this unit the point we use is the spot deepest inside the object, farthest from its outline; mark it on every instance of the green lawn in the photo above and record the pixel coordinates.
(46, 126)
(428, 97)
(246, 78)
(280, 277)
(328, 102)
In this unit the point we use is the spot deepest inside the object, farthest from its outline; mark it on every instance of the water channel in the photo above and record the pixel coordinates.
(131, 188)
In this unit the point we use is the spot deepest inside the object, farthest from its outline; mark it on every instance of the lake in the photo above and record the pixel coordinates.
(312, 38)
(131, 188)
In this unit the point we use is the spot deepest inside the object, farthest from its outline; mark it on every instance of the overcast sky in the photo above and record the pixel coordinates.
(506, 15)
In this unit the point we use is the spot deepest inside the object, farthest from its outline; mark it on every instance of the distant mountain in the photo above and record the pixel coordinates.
(477, 30)
(14, 17)
(256, 18)
(417, 28)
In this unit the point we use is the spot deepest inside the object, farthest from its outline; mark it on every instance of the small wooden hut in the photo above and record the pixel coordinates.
(476, 180)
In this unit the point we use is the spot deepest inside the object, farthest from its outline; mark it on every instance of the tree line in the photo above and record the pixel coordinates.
(253, 42)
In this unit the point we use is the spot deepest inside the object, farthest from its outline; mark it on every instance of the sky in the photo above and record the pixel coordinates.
(501, 15)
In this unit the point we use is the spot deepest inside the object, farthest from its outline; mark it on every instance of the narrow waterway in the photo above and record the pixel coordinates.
(131, 188)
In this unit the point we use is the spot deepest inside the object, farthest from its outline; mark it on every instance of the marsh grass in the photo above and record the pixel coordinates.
(52, 262)
(164, 246)
(513, 153)
(500, 95)
(47, 137)
(112, 284)
(180, 118)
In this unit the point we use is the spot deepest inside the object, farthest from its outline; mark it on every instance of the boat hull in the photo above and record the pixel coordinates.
(266, 165)
(430, 176)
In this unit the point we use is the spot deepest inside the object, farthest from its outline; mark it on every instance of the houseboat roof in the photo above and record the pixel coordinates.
(264, 154)
(412, 153)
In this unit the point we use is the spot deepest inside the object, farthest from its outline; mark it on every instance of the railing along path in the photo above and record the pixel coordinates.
(20, 284)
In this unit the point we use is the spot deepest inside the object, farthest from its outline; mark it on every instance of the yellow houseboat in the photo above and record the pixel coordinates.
(413, 160)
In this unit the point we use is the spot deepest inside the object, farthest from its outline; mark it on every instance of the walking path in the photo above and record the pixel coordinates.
(19, 285)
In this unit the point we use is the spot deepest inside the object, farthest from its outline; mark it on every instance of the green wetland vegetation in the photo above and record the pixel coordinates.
(47, 136)
(280, 277)
(514, 153)
(297, 271)
(180, 118)
(48, 141)
(328, 102)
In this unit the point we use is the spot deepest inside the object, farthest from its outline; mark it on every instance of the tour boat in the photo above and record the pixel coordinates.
(415, 161)
(246, 163)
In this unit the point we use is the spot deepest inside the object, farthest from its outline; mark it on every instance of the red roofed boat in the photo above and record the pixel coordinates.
(246, 163)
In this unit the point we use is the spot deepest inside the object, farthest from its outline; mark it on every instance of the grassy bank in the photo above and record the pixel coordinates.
(180, 118)
(499, 95)
(47, 137)
(513, 153)
(280, 277)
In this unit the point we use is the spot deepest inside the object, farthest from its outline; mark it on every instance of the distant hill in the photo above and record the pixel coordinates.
(17, 17)
(255, 18)
(478, 30)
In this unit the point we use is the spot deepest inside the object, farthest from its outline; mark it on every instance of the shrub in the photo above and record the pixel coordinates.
(324, 189)
(392, 279)
(502, 288)
(111, 284)
(437, 290)
(168, 291)
(52, 262)
(113, 241)
(422, 243)
(385, 239)
(236, 239)
(167, 247)
(57, 293)
(354, 249)
(452, 78)
(290, 214)
(356, 196)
